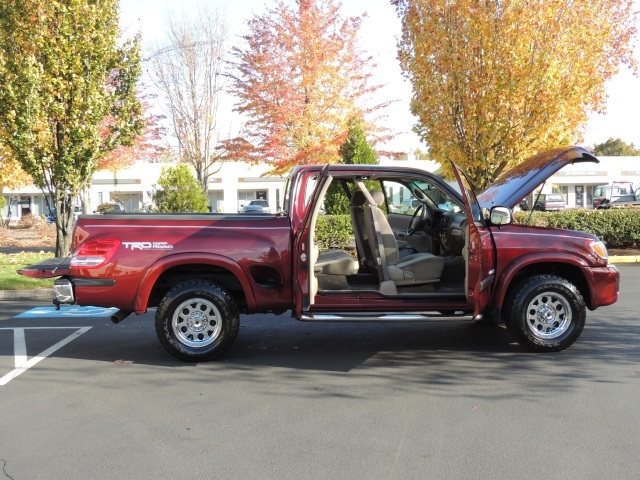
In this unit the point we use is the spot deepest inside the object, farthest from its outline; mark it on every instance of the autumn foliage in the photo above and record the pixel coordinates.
(299, 79)
(12, 177)
(494, 82)
(68, 94)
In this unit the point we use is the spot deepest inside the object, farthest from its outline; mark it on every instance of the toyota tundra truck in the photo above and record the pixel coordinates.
(456, 256)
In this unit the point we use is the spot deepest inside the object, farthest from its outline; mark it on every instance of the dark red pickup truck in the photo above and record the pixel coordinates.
(451, 256)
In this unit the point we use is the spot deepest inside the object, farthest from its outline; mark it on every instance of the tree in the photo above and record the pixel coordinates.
(354, 150)
(179, 191)
(616, 148)
(494, 82)
(299, 80)
(187, 70)
(65, 80)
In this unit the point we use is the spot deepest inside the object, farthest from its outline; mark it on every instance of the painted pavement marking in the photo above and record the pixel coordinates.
(67, 311)
(21, 362)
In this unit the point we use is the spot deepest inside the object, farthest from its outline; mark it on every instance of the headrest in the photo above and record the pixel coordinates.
(357, 199)
(378, 197)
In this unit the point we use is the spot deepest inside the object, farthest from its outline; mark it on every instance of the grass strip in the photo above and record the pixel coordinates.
(10, 263)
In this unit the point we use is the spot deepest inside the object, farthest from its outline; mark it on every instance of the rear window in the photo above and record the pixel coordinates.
(262, 203)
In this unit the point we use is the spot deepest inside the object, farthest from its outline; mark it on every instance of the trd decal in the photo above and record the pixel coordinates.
(147, 245)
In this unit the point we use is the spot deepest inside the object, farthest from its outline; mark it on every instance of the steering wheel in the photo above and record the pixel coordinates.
(416, 220)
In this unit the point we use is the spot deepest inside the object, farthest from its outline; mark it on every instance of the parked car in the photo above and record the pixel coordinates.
(256, 206)
(51, 216)
(618, 194)
(547, 202)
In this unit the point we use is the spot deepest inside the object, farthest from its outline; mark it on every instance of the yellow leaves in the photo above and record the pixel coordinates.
(496, 81)
(12, 177)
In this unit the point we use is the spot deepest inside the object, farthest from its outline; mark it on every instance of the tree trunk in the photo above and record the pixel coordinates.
(64, 224)
(86, 200)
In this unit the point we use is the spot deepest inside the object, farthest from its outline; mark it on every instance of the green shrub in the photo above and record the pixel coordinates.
(617, 228)
(334, 231)
(179, 191)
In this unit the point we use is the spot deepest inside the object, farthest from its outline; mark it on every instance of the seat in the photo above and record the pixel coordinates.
(334, 262)
(414, 269)
(363, 247)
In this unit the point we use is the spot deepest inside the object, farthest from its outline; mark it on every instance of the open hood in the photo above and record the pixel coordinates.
(511, 187)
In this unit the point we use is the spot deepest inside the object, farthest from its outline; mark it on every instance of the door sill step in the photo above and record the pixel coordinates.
(385, 317)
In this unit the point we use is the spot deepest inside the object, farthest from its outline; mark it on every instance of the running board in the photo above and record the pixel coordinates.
(386, 317)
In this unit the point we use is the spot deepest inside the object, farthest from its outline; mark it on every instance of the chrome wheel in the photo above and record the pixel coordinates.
(196, 322)
(548, 316)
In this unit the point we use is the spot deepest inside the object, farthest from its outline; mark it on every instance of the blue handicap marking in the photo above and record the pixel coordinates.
(68, 311)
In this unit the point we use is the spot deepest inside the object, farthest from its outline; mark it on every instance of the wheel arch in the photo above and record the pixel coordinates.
(171, 270)
(565, 266)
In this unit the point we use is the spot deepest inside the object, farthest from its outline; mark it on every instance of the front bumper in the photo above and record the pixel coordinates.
(604, 285)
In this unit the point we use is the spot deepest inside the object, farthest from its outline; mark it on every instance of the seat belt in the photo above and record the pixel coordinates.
(382, 259)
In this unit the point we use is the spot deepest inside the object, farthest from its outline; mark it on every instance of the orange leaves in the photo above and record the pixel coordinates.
(493, 82)
(300, 78)
(12, 177)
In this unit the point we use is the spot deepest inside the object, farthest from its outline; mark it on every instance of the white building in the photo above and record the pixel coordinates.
(576, 182)
(237, 183)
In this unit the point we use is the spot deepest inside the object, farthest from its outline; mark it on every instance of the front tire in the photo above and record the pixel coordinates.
(545, 313)
(197, 321)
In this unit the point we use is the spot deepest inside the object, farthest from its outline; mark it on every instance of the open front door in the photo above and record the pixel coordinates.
(478, 252)
(305, 251)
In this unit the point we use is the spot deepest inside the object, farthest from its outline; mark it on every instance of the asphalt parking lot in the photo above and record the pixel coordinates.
(294, 400)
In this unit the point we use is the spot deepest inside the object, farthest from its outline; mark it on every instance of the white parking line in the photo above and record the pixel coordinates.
(20, 349)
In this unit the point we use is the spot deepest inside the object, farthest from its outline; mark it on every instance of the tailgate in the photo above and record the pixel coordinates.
(52, 267)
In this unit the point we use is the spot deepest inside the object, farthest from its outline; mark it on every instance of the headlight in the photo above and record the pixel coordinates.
(600, 250)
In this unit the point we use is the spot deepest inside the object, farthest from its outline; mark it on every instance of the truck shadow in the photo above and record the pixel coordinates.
(273, 355)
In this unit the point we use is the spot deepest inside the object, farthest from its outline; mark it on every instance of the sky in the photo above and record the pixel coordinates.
(378, 35)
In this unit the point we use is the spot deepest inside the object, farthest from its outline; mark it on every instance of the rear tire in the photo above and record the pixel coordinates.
(197, 321)
(545, 313)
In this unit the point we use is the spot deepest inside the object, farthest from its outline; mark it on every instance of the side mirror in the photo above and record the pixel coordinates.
(501, 216)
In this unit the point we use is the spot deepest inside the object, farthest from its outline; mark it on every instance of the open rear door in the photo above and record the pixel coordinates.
(304, 249)
(478, 252)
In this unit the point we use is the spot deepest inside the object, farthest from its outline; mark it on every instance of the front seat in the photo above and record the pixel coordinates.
(414, 269)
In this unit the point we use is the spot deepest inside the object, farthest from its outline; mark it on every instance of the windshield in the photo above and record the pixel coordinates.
(441, 199)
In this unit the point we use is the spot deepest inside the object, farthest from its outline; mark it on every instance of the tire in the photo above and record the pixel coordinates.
(545, 313)
(197, 321)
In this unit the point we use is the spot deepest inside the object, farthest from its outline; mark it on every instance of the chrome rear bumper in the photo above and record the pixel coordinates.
(63, 291)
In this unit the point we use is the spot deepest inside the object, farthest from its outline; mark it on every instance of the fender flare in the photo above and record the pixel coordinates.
(511, 270)
(165, 263)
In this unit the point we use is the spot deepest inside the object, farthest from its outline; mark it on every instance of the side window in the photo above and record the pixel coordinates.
(400, 199)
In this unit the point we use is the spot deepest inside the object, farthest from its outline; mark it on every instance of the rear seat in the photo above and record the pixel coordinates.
(334, 262)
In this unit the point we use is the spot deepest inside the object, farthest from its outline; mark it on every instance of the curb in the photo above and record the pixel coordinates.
(624, 259)
(34, 294)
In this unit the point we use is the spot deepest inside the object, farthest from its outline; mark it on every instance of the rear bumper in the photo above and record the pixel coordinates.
(64, 288)
(63, 292)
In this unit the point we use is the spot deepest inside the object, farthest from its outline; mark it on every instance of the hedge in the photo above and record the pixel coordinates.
(334, 231)
(617, 227)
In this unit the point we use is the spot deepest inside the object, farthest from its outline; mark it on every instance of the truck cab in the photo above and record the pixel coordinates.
(455, 257)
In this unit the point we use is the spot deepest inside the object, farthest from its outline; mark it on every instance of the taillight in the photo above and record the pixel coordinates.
(95, 253)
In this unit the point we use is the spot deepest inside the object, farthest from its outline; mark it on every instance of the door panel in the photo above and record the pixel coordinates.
(304, 250)
(478, 254)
